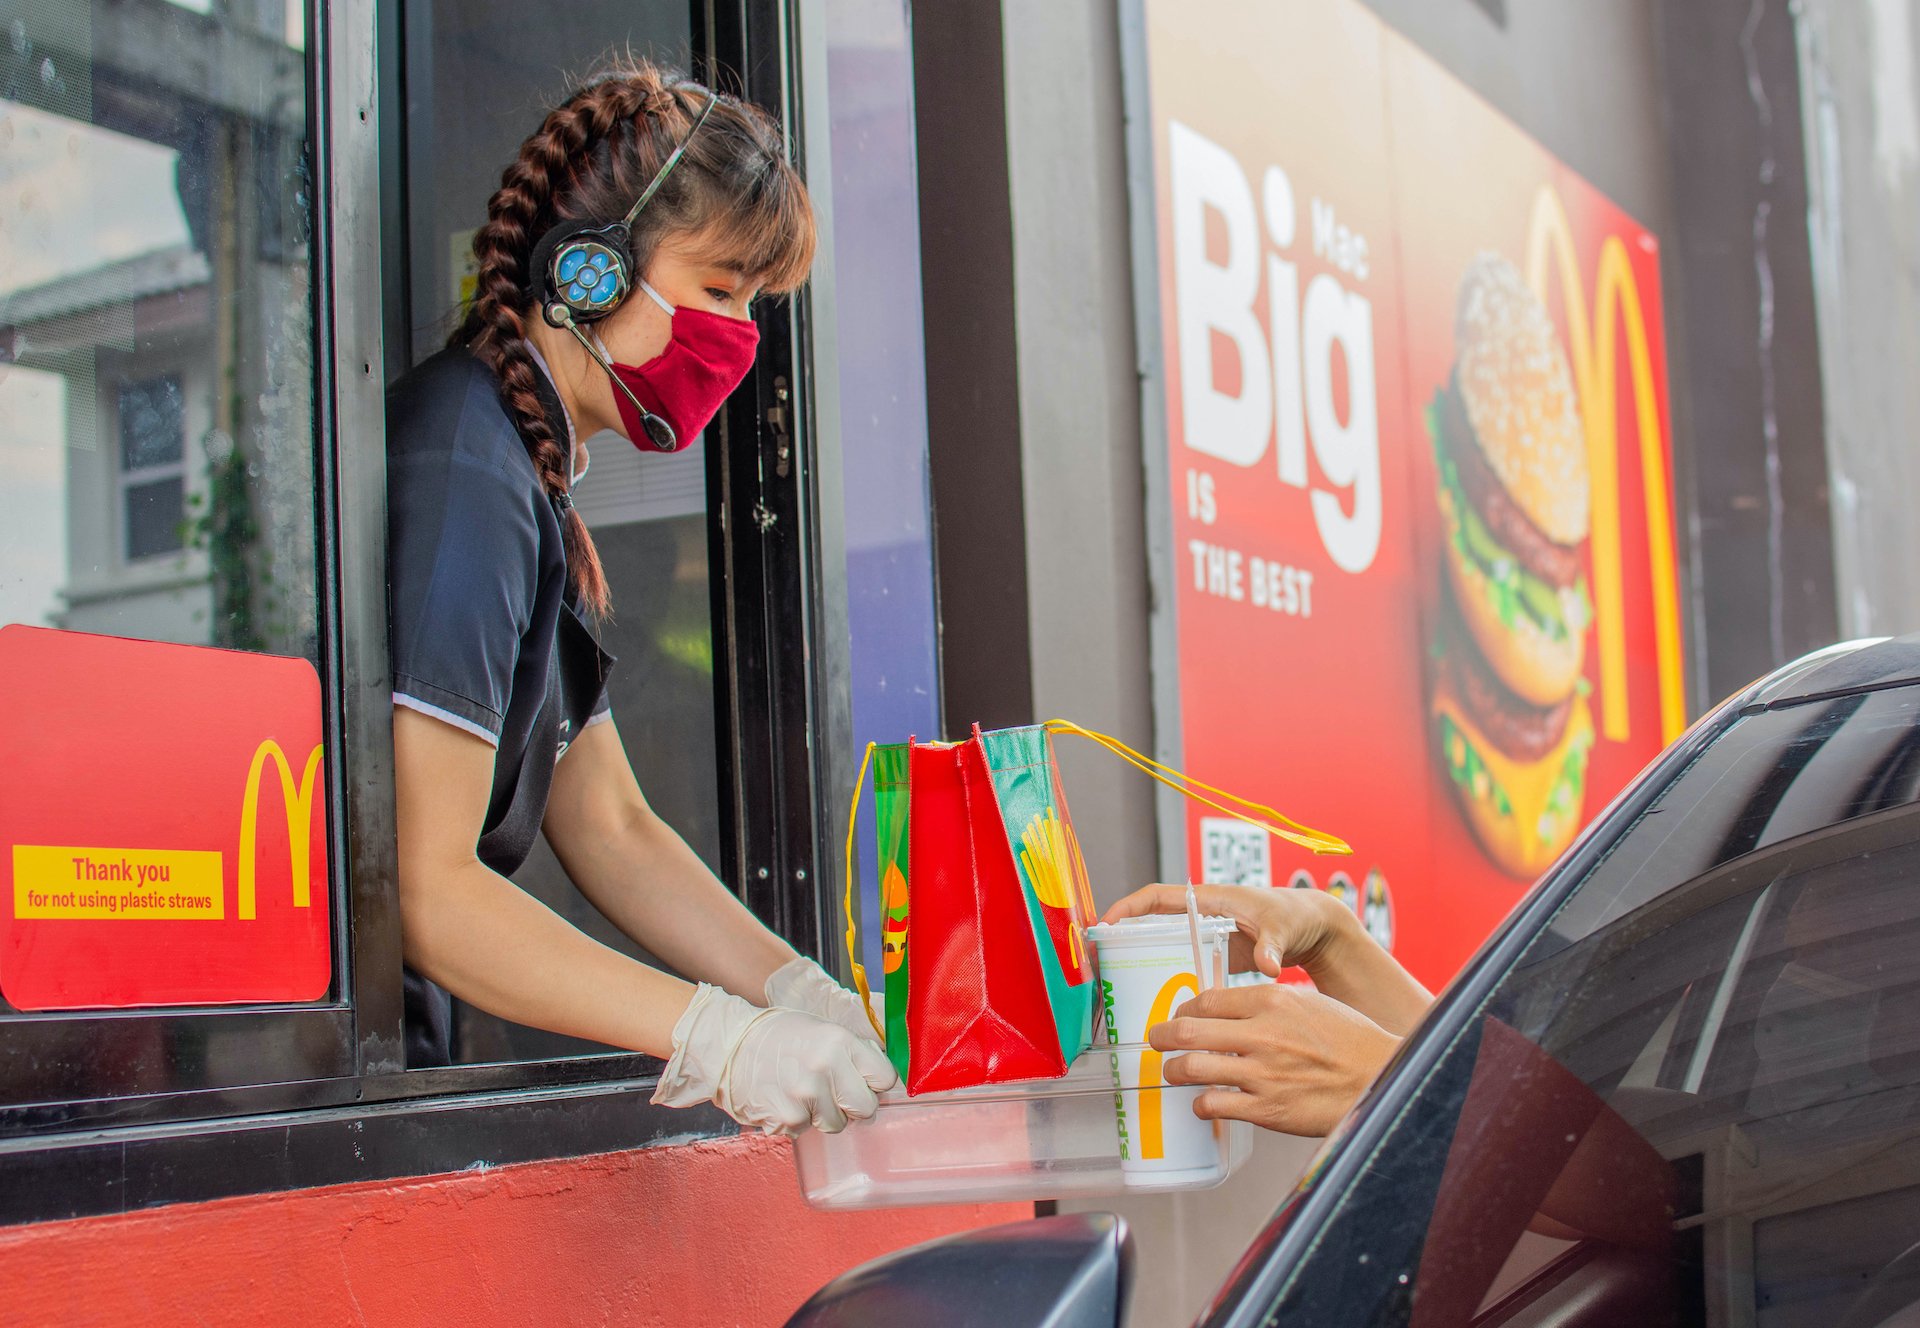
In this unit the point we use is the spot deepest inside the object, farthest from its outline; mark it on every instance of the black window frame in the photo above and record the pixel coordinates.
(54, 1077)
(104, 1138)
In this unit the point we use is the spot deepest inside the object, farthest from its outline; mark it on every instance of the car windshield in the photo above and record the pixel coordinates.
(1695, 1098)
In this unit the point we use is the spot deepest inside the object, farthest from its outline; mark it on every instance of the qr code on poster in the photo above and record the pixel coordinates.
(1234, 853)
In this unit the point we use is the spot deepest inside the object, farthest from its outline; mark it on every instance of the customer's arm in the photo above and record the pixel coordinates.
(1307, 929)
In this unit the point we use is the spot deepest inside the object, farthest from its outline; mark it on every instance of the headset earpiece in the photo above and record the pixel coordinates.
(583, 269)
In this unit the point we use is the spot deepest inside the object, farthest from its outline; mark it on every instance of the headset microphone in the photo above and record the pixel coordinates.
(659, 432)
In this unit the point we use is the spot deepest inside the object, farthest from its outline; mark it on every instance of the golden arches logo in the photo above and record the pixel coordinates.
(297, 799)
(1616, 300)
(1152, 1131)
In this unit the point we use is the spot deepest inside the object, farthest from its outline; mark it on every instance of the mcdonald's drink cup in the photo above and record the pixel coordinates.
(1146, 974)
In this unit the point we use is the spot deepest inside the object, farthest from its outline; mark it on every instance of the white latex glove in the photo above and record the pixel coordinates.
(802, 984)
(781, 1070)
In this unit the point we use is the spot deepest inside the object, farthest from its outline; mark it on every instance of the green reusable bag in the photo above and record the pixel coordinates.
(890, 821)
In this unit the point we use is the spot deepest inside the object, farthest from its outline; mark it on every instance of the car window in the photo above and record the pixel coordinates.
(1695, 1098)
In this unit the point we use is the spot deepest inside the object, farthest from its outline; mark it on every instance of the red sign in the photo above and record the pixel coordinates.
(162, 825)
(1422, 575)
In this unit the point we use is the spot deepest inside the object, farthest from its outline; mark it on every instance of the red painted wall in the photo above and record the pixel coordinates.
(711, 1233)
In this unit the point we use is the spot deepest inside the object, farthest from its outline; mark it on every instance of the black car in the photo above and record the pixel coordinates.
(1681, 1084)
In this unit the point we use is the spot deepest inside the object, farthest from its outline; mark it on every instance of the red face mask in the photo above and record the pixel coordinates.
(668, 400)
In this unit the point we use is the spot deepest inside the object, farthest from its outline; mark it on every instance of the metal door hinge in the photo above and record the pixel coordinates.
(781, 427)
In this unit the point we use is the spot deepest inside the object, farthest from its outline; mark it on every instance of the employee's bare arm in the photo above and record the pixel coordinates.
(485, 939)
(642, 875)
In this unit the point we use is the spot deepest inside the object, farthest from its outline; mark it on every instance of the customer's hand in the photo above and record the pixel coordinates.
(780, 1070)
(1276, 928)
(802, 984)
(1283, 1057)
(1308, 929)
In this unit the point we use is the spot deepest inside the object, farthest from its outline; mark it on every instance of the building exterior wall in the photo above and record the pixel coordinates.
(164, 598)
(1860, 99)
(1743, 344)
(1082, 479)
(706, 1233)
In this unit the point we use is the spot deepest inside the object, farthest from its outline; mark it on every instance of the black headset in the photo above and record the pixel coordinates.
(586, 272)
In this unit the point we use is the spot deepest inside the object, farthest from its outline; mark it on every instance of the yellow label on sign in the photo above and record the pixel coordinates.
(58, 882)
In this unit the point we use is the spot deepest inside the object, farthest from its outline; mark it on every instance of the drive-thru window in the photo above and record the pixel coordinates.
(237, 222)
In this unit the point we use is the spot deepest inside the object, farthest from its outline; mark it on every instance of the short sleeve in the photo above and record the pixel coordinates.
(602, 708)
(463, 574)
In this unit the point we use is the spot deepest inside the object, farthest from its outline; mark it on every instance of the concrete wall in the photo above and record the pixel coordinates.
(1742, 342)
(1083, 480)
(707, 1233)
(1860, 97)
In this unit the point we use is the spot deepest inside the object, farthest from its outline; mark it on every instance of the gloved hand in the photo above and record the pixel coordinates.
(781, 1070)
(802, 984)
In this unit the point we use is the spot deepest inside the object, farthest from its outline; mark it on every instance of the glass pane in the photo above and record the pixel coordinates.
(478, 79)
(152, 427)
(155, 512)
(157, 444)
(154, 312)
(1696, 1099)
(893, 633)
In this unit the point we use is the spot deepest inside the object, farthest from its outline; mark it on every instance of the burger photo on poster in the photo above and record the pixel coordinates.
(1509, 705)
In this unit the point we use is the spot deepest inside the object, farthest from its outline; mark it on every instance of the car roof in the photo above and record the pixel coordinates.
(1851, 666)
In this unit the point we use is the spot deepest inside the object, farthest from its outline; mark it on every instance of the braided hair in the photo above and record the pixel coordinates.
(734, 192)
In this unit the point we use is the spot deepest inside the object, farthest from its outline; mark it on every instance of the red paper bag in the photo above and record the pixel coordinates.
(978, 1011)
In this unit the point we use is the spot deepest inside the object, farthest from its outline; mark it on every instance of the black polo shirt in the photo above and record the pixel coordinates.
(484, 632)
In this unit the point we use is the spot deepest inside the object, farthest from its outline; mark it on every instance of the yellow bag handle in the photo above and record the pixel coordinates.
(853, 949)
(1269, 820)
(1276, 823)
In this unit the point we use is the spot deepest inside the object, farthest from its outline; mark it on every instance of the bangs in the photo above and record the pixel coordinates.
(768, 235)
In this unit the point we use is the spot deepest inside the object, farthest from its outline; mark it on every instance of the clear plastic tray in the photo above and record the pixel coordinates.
(1043, 1139)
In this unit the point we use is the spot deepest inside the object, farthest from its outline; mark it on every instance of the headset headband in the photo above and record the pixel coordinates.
(660, 176)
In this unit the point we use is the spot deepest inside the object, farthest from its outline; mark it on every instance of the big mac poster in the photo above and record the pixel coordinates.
(1415, 535)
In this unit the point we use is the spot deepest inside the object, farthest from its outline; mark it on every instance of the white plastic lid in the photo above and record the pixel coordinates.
(1158, 929)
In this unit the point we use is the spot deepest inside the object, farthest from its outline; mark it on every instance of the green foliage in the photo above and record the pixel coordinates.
(221, 522)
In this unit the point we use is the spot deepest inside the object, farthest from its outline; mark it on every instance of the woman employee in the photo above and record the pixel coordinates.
(617, 266)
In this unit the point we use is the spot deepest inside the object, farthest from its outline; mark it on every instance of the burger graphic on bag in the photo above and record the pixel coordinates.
(1509, 704)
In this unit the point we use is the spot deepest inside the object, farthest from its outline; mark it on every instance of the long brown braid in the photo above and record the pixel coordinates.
(588, 160)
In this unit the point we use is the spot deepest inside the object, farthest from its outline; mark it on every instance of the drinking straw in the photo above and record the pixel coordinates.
(1200, 971)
